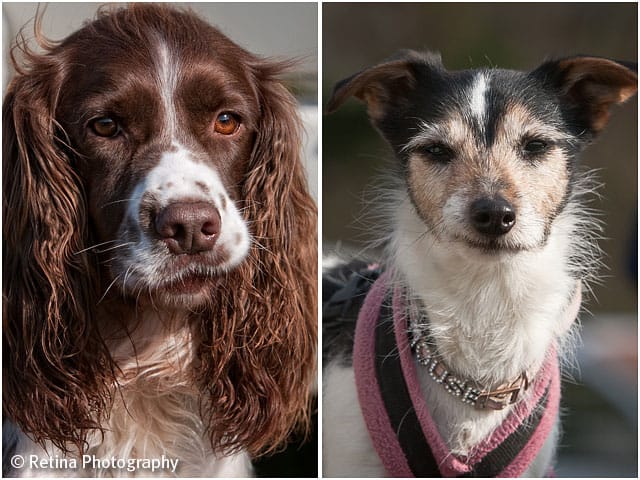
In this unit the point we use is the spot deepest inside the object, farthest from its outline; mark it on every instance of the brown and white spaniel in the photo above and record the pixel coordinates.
(159, 252)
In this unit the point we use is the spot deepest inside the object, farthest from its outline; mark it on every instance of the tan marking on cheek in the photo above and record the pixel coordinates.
(427, 185)
(546, 184)
(508, 189)
(540, 183)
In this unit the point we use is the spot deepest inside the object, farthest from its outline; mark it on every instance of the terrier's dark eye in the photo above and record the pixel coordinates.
(535, 147)
(437, 152)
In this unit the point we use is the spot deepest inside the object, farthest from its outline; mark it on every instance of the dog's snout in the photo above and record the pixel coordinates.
(188, 227)
(492, 216)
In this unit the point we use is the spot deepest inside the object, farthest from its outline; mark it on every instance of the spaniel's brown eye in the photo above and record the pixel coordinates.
(226, 124)
(105, 127)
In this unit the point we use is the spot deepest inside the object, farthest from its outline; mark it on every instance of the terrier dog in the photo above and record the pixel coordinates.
(453, 370)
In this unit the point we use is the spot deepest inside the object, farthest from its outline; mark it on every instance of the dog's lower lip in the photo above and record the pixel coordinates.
(192, 283)
(490, 247)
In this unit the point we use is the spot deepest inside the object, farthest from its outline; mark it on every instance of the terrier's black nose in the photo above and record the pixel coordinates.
(492, 216)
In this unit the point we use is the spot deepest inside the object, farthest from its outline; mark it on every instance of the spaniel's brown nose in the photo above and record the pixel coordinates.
(188, 227)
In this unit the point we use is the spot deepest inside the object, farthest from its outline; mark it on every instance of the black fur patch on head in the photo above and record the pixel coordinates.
(572, 94)
(438, 94)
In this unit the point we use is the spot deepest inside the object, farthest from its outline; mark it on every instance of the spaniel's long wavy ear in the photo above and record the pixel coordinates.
(54, 363)
(262, 391)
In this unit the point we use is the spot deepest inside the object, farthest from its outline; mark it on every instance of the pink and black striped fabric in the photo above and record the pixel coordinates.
(398, 419)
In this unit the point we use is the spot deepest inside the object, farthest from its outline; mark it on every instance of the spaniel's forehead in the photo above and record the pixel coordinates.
(193, 83)
(160, 71)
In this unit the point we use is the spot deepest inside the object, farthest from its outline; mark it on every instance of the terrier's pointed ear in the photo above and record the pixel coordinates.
(381, 84)
(591, 85)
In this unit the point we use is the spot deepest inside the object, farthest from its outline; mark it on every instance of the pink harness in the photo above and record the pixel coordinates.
(398, 418)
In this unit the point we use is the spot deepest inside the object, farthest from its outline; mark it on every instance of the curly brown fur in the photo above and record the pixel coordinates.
(260, 399)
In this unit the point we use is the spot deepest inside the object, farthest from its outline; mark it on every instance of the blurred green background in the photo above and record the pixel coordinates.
(600, 423)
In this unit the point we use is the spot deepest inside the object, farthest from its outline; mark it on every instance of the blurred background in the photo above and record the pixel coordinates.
(600, 403)
(281, 30)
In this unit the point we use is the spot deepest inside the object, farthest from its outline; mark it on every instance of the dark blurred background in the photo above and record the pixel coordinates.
(600, 420)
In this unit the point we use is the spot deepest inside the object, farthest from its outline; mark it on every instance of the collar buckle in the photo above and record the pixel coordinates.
(503, 396)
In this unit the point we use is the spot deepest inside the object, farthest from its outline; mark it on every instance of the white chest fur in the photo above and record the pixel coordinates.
(154, 426)
(491, 318)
